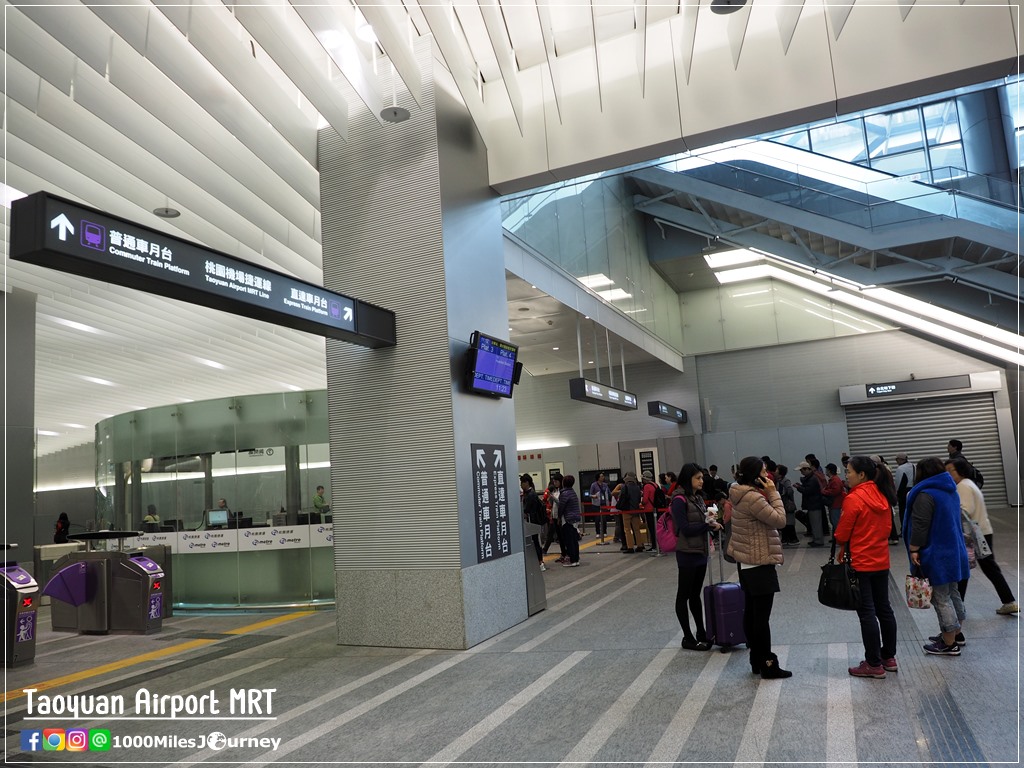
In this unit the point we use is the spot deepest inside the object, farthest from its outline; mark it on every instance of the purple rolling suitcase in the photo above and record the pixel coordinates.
(723, 609)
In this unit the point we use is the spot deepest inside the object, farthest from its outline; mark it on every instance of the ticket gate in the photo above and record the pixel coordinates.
(21, 603)
(536, 595)
(97, 592)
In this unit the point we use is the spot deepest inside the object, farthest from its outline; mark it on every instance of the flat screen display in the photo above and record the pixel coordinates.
(217, 517)
(492, 366)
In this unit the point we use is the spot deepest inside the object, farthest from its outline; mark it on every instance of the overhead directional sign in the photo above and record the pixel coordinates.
(601, 394)
(913, 386)
(665, 411)
(69, 237)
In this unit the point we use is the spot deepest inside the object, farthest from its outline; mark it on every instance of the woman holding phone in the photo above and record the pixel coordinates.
(757, 516)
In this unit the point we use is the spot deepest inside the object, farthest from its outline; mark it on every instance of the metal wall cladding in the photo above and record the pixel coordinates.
(923, 427)
(382, 243)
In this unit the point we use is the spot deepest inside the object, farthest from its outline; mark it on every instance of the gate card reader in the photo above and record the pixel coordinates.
(99, 591)
(21, 600)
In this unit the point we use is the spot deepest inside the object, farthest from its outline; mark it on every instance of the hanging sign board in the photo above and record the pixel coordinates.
(665, 411)
(73, 238)
(913, 386)
(490, 502)
(601, 394)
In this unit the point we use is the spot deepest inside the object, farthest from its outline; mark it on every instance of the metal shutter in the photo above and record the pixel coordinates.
(923, 427)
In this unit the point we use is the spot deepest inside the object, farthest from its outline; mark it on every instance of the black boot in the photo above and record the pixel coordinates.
(770, 669)
(755, 663)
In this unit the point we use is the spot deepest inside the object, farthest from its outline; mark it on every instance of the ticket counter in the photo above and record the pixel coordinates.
(266, 565)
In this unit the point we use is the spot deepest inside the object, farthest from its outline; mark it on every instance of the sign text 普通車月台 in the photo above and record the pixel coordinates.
(69, 237)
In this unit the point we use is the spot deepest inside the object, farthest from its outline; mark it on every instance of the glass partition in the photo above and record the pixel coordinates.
(229, 485)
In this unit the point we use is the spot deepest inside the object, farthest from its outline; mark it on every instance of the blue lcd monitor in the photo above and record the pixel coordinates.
(217, 518)
(492, 368)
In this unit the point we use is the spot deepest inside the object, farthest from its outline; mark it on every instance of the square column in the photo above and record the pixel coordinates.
(410, 224)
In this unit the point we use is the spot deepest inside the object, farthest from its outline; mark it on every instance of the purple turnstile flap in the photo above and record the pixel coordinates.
(69, 584)
(18, 576)
(149, 566)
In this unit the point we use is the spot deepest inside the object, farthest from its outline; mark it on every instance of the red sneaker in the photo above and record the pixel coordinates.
(866, 670)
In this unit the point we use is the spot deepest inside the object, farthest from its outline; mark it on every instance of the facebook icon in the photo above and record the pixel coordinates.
(31, 741)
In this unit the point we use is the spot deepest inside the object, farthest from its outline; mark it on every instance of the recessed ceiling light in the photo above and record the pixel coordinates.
(95, 380)
(75, 324)
(47, 433)
(555, 349)
(590, 362)
(211, 363)
(76, 426)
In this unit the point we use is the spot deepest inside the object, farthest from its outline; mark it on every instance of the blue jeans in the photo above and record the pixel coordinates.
(948, 606)
(877, 621)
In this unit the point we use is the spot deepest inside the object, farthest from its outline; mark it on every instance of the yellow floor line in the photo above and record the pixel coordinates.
(113, 666)
(269, 623)
(151, 656)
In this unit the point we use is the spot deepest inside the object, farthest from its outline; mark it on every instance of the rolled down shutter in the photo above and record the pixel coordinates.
(923, 427)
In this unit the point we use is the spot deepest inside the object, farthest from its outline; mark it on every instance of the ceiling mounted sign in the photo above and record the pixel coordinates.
(601, 394)
(62, 235)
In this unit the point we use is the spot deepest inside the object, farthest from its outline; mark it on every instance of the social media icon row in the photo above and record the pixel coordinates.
(70, 740)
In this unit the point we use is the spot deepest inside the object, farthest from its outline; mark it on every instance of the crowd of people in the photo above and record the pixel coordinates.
(936, 507)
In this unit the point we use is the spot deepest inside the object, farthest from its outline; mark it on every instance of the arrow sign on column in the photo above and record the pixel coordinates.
(63, 226)
(480, 461)
(497, 459)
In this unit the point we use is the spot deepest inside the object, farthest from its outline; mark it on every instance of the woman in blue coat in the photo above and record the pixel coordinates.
(935, 543)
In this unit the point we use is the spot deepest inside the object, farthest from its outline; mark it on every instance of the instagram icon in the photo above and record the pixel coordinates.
(77, 740)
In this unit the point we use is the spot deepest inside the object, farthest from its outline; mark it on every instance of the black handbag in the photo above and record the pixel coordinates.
(838, 586)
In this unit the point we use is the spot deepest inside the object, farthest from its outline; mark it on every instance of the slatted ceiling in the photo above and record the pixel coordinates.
(923, 427)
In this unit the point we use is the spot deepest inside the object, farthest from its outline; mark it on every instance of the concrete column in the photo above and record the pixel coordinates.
(19, 350)
(410, 223)
(292, 479)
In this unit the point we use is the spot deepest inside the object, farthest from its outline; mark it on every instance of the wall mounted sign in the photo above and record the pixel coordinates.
(490, 502)
(73, 238)
(601, 394)
(665, 411)
(913, 386)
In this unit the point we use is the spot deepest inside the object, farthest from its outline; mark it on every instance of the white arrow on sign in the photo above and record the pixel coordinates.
(348, 313)
(480, 462)
(63, 227)
(497, 459)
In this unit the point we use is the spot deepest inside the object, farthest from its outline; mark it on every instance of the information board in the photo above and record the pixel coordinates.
(661, 410)
(73, 238)
(940, 384)
(601, 394)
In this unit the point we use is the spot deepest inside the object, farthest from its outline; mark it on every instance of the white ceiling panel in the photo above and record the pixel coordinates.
(213, 109)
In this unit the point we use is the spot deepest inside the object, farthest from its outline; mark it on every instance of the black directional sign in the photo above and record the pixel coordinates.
(665, 411)
(490, 502)
(69, 237)
(601, 394)
(914, 386)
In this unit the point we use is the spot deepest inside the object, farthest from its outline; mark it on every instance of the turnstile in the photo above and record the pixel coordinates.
(21, 603)
(96, 592)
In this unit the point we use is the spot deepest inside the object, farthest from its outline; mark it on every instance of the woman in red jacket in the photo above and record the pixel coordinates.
(863, 537)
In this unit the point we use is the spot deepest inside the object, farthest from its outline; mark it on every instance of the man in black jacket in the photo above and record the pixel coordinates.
(533, 512)
(813, 501)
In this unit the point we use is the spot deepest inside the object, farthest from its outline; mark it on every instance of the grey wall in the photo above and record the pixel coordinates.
(780, 400)
(19, 343)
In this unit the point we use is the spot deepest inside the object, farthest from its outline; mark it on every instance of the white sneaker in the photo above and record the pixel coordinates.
(543, 567)
(571, 565)
(1007, 608)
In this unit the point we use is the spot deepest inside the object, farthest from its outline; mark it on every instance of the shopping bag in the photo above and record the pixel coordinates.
(919, 592)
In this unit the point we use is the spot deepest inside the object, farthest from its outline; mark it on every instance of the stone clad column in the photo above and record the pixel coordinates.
(410, 224)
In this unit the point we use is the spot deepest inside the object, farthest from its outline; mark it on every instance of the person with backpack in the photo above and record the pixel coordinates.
(652, 501)
(630, 498)
(689, 516)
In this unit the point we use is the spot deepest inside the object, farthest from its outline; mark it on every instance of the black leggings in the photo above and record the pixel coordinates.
(756, 616)
(691, 579)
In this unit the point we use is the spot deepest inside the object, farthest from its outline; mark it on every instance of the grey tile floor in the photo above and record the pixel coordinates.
(596, 678)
